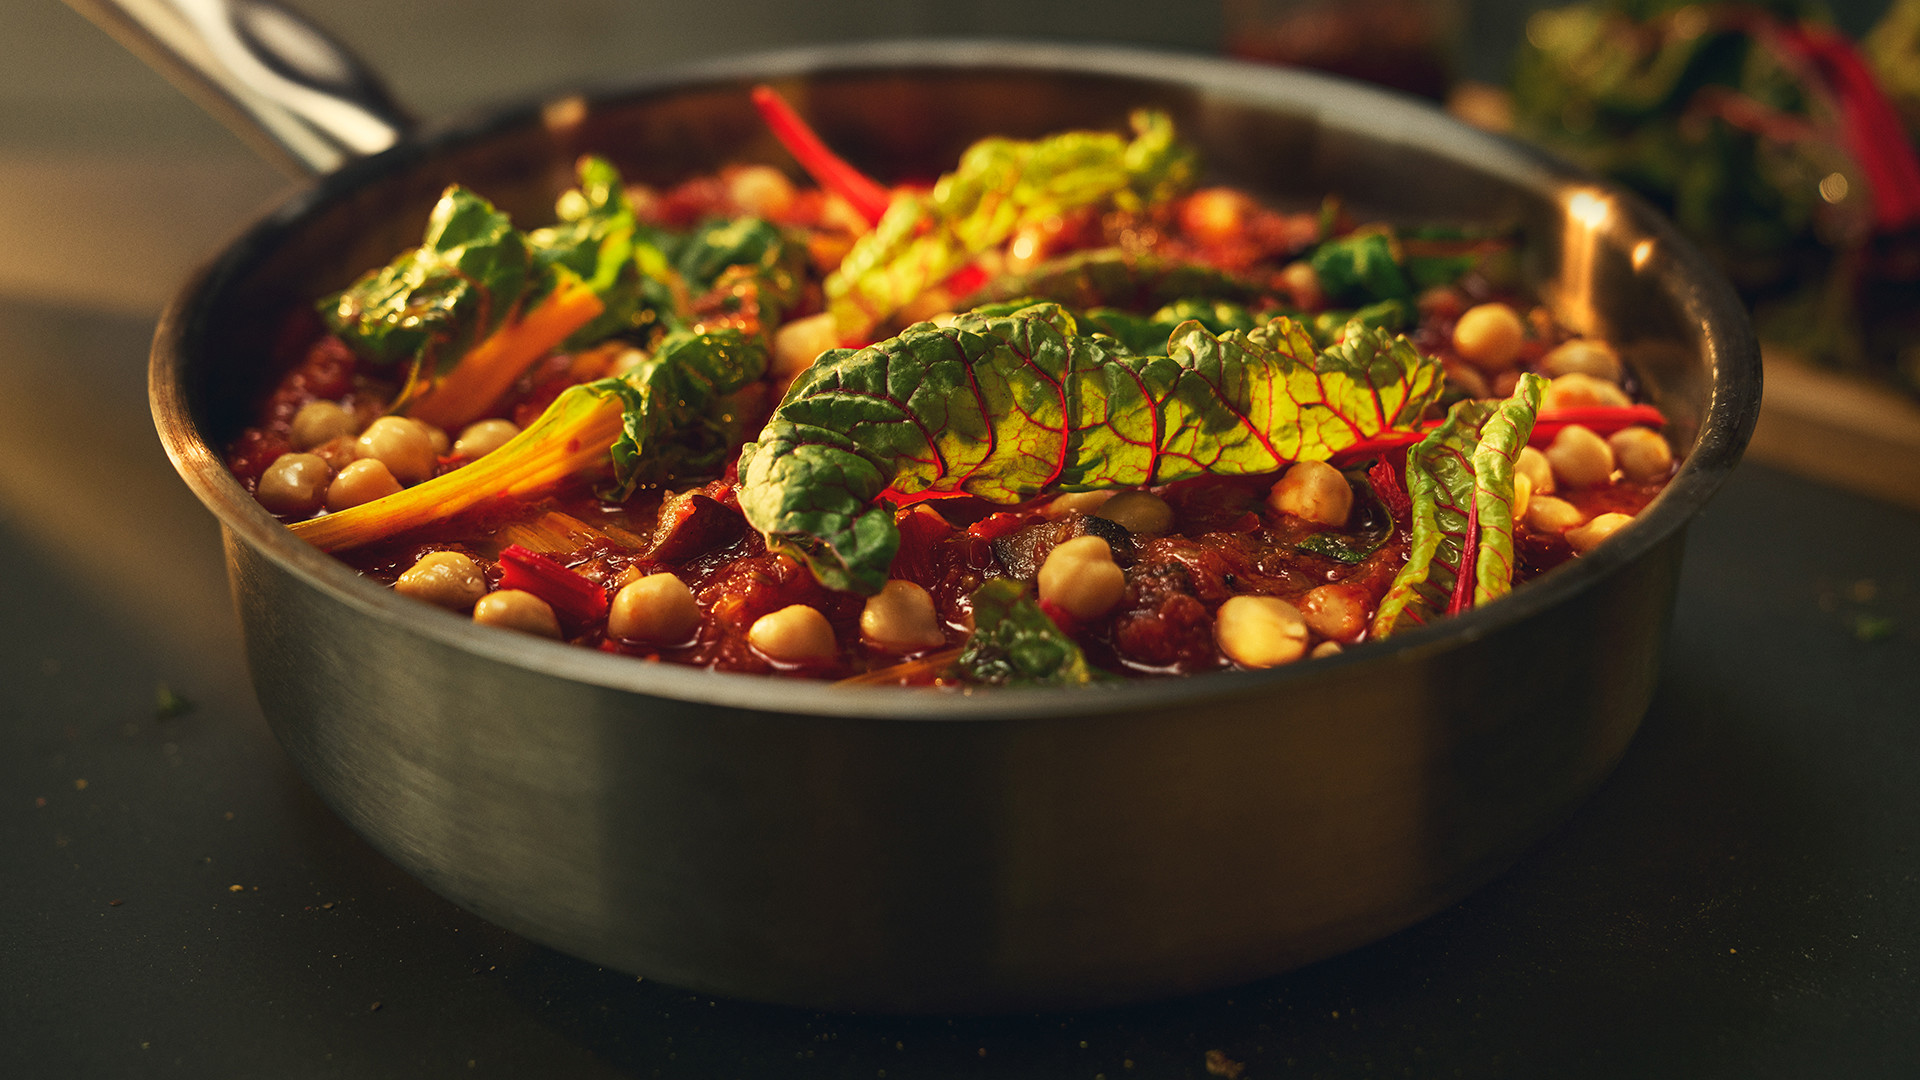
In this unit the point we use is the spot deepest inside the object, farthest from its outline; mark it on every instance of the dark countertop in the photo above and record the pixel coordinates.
(1741, 899)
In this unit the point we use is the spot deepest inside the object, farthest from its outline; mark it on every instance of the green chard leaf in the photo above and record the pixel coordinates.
(474, 270)
(1391, 316)
(715, 245)
(435, 301)
(1005, 407)
(1460, 480)
(676, 417)
(999, 186)
(1143, 335)
(1015, 644)
(1360, 268)
(749, 269)
(599, 240)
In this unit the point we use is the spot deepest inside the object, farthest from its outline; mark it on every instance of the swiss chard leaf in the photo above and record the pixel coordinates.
(999, 186)
(715, 245)
(474, 271)
(1460, 481)
(435, 301)
(1015, 644)
(1392, 316)
(1144, 335)
(1360, 268)
(751, 271)
(1218, 316)
(599, 241)
(676, 420)
(1006, 407)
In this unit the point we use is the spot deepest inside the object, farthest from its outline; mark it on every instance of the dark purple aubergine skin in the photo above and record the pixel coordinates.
(910, 850)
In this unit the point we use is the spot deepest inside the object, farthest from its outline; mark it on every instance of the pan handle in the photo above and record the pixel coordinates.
(293, 92)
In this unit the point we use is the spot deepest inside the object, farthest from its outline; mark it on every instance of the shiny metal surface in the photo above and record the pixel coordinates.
(300, 98)
(892, 849)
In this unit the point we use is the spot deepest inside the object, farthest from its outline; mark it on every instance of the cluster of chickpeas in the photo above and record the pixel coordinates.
(337, 463)
(657, 608)
(900, 618)
(1081, 577)
(1582, 372)
(454, 581)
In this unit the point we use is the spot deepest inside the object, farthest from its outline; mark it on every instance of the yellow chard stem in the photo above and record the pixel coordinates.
(573, 435)
(490, 367)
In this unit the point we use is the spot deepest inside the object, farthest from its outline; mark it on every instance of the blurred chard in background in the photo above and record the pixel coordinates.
(1784, 149)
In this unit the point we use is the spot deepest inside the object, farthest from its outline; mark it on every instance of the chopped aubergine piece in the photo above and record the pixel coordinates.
(1004, 408)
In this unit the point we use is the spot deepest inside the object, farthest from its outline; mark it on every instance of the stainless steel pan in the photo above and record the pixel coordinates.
(896, 849)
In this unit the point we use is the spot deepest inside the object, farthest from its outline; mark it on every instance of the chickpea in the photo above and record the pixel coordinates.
(319, 421)
(798, 343)
(294, 484)
(483, 437)
(402, 445)
(760, 190)
(1522, 494)
(361, 482)
(512, 609)
(446, 578)
(1081, 577)
(901, 617)
(1584, 356)
(1215, 215)
(1579, 457)
(1577, 390)
(1489, 336)
(657, 608)
(1538, 469)
(1075, 502)
(1642, 453)
(1140, 512)
(1585, 538)
(1260, 631)
(1302, 285)
(436, 438)
(338, 452)
(794, 634)
(1335, 611)
(1550, 515)
(1313, 490)
(1326, 649)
